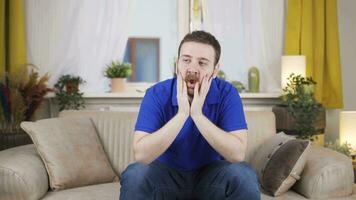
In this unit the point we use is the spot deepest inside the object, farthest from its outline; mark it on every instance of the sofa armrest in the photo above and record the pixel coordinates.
(22, 174)
(327, 174)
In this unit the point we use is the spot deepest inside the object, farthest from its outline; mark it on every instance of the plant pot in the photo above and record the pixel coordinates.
(286, 123)
(319, 139)
(118, 84)
(9, 140)
(72, 87)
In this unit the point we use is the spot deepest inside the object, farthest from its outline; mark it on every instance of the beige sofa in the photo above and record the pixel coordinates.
(23, 175)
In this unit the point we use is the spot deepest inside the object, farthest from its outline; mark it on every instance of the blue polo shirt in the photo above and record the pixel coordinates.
(190, 150)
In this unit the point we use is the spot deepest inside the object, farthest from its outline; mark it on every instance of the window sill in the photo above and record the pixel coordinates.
(140, 94)
(131, 101)
(137, 90)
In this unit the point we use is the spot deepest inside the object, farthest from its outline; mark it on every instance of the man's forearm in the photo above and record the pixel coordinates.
(151, 146)
(227, 144)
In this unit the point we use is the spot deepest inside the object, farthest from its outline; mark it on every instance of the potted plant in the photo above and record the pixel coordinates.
(70, 82)
(344, 148)
(20, 98)
(67, 92)
(118, 72)
(300, 114)
(238, 85)
(221, 75)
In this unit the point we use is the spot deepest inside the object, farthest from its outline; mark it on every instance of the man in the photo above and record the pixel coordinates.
(190, 135)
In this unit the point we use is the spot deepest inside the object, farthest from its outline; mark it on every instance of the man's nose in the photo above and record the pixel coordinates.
(193, 69)
(191, 74)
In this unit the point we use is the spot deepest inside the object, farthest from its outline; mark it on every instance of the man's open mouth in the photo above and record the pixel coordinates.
(191, 79)
(191, 84)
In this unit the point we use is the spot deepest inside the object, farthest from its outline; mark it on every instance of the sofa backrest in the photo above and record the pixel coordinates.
(261, 126)
(115, 131)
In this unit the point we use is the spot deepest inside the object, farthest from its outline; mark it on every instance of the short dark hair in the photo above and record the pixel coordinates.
(205, 38)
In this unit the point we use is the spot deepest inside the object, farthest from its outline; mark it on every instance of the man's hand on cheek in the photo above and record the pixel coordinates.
(200, 92)
(182, 96)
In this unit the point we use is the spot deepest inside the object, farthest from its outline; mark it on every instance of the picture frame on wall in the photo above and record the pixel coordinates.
(144, 55)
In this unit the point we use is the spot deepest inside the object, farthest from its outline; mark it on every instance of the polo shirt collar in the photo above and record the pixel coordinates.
(212, 97)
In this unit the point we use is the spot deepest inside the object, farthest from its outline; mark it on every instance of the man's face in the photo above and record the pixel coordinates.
(195, 61)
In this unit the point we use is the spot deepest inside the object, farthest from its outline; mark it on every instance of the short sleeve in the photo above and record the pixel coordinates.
(150, 115)
(232, 117)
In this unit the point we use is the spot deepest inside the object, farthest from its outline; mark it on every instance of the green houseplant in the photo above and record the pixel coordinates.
(67, 92)
(344, 148)
(118, 72)
(21, 95)
(70, 82)
(237, 84)
(300, 114)
(221, 75)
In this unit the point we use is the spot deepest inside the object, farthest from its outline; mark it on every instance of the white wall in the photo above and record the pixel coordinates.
(347, 34)
(347, 27)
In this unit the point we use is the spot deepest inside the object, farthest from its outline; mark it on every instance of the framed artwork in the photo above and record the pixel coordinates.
(144, 55)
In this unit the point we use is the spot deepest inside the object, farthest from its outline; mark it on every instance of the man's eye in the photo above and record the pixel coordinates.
(186, 60)
(202, 63)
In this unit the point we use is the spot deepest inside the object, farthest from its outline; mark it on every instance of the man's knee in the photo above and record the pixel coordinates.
(135, 173)
(245, 178)
(140, 181)
(242, 170)
(152, 175)
(134, 184)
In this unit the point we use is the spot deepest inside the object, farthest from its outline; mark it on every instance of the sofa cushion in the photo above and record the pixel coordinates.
(71, 151)
(23, 175)
(107, 191)
(115, 131)
(288, 195)
(327, 174)
(279, 162)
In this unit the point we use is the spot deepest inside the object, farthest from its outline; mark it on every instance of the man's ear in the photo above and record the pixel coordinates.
(176, 68)
(216, 70)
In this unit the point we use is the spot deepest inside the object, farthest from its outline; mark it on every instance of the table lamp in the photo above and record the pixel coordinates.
(348, 128)
(295, 64)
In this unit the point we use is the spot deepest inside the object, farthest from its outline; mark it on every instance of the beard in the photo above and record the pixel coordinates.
(191, 79)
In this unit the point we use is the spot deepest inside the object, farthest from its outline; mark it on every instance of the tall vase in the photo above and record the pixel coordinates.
(253, 80)
(118, 84)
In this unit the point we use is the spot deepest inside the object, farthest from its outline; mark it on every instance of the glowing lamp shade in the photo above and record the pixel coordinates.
(348, 128)
(292, 64)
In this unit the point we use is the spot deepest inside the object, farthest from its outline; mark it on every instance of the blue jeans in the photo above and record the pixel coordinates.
(218, 180)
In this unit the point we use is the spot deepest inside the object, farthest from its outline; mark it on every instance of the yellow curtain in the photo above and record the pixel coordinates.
(2, 38)
(312, 30)
(12, 36)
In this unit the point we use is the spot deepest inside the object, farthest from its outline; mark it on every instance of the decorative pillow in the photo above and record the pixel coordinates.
(279, 162)
(71, 151)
